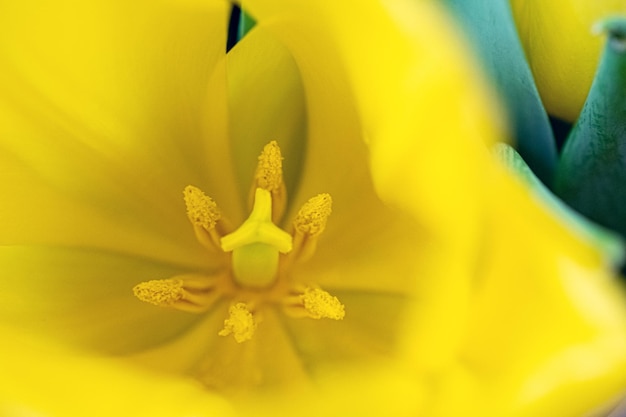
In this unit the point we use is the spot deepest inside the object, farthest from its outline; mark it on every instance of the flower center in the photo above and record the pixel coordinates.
(258, 257)
(256, 245)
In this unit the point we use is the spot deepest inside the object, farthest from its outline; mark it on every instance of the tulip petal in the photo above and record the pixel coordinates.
(609, 242)
(550, 329)
(99, 122)
(561, 49)
(42, 378)
(266, 361)
(368, 87)
(372, 389)
(84, 296)
(392, 228)
(266, 102)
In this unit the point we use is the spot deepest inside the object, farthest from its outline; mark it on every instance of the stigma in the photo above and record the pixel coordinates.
(256, 245)
(257, 257)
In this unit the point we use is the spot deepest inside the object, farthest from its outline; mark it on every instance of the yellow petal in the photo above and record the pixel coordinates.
(369, 331)
(368, 86)
(374, 389)
(562, 49)
(427, 122)
(84, 296)
(546, 321)
(238, 370)
(41, 378)
(99, 122)
(266, 103)
(399, 78)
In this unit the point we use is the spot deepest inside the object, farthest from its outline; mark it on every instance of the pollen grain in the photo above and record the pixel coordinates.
(240, 323)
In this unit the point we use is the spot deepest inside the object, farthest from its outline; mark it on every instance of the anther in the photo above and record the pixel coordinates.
(320, 304)
(314, 303)
(162, 292)
(203, 214)
(269, 176)
(309, 223)
(191, 293)
(240, 323)
(201, 209)
(312, 217)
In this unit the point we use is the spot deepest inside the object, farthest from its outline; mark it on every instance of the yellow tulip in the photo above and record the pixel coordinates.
(315, 215)
(562, 48)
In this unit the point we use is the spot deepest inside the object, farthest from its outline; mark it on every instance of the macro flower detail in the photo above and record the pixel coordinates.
(160, 257)
(256, 258)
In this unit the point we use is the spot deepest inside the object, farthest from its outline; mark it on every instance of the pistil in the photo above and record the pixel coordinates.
(256, 245)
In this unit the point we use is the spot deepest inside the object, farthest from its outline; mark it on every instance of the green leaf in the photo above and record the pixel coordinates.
(491, 29)
(246, 23)
(591, 175)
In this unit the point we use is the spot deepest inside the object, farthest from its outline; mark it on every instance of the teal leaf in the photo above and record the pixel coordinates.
(491, 30)
(591, 175)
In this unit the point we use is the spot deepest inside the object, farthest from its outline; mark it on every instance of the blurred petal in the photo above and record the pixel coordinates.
(546, 321)
(373, 389)
(91, 385)
(383, 77)
(394, 103)
(491, 30)
(603, 239)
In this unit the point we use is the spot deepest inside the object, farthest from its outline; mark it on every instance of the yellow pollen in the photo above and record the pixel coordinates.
(269, 177)
(269, 173)
(163, 292)
(320, 304)
(193, 293)
(201, 209)
(312, 217)
(240, 323)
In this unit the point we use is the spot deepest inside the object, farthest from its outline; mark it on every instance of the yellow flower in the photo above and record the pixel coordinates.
(562, 48)
(129, 147)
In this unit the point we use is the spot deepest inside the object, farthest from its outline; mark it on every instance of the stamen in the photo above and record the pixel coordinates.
(191, 293)
(314, 303)
(163, 292)
(312, 217)
(309, 223)
(320, 304)
(269, 176)
(201, 209)
(203, 214)
(269, 172)
(240, 323)
(256, 245)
